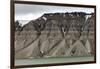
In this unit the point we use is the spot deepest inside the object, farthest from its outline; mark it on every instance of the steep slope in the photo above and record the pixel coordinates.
(56, 35)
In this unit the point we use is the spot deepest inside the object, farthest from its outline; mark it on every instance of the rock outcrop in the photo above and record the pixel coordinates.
(56, 35)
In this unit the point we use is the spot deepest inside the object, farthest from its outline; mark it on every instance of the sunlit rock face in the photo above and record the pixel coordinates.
(56, 35)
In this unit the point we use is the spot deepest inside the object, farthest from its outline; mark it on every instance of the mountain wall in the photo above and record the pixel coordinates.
(56, 35)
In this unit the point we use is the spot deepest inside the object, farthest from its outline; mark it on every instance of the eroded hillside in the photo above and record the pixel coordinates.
(56, 35)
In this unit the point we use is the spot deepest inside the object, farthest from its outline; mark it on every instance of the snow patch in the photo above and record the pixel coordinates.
(87, 16)
(44, 18)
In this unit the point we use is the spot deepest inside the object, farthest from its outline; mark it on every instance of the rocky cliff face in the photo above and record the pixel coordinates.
(56, 35)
